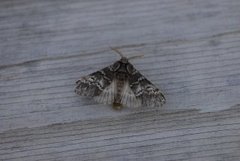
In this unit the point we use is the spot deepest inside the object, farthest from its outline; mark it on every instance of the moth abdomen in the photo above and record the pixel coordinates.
(120, 80)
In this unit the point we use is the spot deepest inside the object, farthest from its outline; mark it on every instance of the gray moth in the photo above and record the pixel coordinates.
(120, 84)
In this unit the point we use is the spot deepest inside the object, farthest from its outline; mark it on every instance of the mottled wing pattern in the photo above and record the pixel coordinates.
(94, 84)
(145, 91)
(128, 97)
(136, 91)
(107, 95)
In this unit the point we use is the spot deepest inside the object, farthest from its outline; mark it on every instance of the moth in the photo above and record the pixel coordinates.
(120, 84)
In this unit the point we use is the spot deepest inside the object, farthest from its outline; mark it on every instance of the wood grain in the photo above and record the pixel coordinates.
(191, 52)
(188, 135)
(33, 29)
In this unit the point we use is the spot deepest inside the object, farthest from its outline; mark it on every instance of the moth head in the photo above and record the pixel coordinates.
(124, 60)
(130, 69)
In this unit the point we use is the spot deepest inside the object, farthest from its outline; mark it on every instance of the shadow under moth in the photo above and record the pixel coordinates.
(120, 84)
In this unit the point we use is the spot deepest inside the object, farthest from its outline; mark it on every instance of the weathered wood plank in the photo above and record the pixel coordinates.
(197, 74)
(33, 29)
(191, 52)
(141, 136)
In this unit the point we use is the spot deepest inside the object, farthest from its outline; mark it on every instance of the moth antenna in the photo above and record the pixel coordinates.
(137, 56)
(117, 51)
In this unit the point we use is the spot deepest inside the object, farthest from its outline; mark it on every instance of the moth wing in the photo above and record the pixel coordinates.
(145, 91)
(95, 83)
(128, 97)
(107, 95)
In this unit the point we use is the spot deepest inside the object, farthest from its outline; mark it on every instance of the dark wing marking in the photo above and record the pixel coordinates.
(145, 91)
(94, 84)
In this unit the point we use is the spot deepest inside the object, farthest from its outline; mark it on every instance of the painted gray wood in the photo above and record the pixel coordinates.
(191, 52)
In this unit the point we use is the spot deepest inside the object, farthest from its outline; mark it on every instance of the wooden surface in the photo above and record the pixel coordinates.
(192, 52)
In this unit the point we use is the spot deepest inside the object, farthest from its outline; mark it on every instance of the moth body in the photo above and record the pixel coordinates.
(121, 77)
